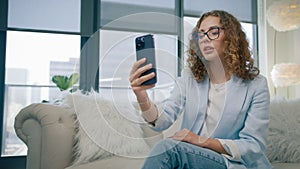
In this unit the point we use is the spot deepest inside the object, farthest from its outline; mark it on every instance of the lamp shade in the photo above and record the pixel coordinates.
(284, 15)
(285, 74)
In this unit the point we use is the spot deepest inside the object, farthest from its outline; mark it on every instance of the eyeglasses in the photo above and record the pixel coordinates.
(212, 34)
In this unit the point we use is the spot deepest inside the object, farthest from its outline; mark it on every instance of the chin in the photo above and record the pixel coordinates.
(211, 57)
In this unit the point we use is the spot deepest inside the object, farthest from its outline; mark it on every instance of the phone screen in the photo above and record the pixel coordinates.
(145, 49)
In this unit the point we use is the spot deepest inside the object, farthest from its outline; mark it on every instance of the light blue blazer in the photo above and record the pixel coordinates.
(244, 119)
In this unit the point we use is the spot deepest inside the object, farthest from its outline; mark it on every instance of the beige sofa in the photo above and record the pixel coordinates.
(48, 131)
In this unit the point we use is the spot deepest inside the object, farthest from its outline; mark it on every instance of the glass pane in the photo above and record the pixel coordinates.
(31, 61)
(117, 55)
(169, 4)
(59, 15)
(244, 10)
(144, 15)
(248, 29)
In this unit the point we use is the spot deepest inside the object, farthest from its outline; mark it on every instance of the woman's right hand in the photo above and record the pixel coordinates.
(136, 79)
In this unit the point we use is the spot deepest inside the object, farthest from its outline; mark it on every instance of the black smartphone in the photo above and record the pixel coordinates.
(145, 49)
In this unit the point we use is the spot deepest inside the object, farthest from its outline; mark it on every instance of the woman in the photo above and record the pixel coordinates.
(224, 100)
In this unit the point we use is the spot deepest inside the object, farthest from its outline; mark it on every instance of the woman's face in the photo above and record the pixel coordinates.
(212, 49)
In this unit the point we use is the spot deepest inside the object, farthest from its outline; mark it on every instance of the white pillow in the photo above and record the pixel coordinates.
(284, 132)
(105, 129)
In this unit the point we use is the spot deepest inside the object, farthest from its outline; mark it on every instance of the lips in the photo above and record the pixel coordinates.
(208, 49)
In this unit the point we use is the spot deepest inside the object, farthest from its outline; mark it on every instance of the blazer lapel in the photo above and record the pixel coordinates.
(233, 104)
(200, 106)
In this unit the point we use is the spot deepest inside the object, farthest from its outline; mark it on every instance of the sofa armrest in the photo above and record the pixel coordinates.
(48, 132)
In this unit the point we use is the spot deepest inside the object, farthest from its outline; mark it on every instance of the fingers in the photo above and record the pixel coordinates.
(135, 67)
(181, 135)
(140, 80)
(137, 83)
(139, 71)
(190, 137)
(135, 75)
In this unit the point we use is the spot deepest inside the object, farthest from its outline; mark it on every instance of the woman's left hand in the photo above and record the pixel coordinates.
(193, 138)
(190, 137)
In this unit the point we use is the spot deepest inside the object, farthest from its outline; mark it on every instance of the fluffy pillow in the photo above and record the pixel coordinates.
(105, 129)
(284, 136)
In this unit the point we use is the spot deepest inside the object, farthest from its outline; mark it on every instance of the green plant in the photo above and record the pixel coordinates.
(65, 82)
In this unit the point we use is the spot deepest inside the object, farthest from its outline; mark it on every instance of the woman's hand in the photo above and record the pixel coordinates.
(190, 137)
(193, 138)
(136, 79)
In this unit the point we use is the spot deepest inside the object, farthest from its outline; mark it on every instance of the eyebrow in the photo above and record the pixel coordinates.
(210, 28)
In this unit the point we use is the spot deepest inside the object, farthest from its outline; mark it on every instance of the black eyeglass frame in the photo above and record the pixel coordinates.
(207, 33)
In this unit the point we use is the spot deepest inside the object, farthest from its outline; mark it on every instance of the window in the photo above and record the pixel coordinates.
(117, 49)
(31, 60)
(117, 55)
(138, 15)
(55, 15)
(244, 10)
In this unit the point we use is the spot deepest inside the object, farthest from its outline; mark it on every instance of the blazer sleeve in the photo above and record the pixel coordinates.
(172, 107)
(253, 136)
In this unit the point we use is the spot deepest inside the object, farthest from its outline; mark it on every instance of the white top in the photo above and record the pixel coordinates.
(216, 99)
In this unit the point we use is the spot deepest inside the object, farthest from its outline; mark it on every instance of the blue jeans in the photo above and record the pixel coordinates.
(173, 154)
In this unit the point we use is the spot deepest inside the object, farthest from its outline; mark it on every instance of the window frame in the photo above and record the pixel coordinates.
(17, 161)
(13, 162)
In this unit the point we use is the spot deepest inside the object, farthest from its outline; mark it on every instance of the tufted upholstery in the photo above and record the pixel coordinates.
(48, 133)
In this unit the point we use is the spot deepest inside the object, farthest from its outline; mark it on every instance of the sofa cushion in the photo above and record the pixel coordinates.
(286, 165)
(283, 141)
(114, 162)
(105, 129)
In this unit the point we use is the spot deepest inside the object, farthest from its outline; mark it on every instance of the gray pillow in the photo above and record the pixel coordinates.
(284, 131)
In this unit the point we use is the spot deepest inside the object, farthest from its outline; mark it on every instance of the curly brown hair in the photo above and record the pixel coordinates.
(237, 56)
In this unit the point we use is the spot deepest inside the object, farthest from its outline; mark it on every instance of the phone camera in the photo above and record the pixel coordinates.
(140, 43)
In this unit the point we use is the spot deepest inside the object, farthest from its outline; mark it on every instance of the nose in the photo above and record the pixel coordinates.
(205, 39)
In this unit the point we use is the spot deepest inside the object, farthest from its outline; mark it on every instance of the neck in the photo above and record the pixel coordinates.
(218, 73)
